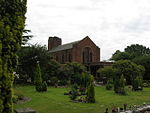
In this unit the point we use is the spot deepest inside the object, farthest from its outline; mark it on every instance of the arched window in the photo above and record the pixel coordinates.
(87, 55)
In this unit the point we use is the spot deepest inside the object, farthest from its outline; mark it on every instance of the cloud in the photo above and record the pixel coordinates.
(111, 24)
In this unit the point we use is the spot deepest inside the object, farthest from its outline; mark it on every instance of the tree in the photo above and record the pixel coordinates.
(131, 52)
(137, 83)
(91, 92)
(39, 84)
(12, 19)
(28, 56)
(107, 72)
(121, 56)
(38, 78)
(137, 50)
(144, 61)
(75, 70)
(129, 69)
(26, 36)
(37, 75)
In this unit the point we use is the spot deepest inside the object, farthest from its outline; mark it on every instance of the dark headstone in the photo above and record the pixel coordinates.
(25, 110)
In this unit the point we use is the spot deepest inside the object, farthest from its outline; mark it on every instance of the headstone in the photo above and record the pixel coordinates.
(25, 110)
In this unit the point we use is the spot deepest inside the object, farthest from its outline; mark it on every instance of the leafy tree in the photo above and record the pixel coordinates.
(53, 70)
(144, 61)
(131, 52)
(107, 72)
(26, 36)
(12, 19)
(137, 50)
(75, 70)
(121, 56)
(91, 92)
(109, 84)
(119, 85)
(28, 56)
(129, 69)
(138, 83)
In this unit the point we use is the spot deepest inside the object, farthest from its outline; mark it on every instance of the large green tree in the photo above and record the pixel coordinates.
(144, 61)
(12, 19)
(129, 69)
(28, 56)
(131, 52)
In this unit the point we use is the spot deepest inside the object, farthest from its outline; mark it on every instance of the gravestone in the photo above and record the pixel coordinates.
(25, 110)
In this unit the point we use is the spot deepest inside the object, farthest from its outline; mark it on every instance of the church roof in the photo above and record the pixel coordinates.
(63, 47)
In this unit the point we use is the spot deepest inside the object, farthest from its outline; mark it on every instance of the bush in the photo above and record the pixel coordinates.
(74, 92)
(91, 94)
(54, 81)
(63, 82)
(91, 91)
(44, 86)
(119, 86)
(138, 83)
(109, 85)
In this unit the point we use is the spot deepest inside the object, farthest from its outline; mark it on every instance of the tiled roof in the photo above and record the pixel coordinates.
(63, 47)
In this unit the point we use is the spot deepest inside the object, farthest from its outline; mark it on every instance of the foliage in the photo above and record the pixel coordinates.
(91, 93)
(37, 75)
(44, 86)
(131, 52)
(85, 79)
(40, 87)
(74, 92)
(26, 36)
(109, 85)
(12, 19)
(107, 72)
(129, 69)
(137, 50)
(75, 70)
(144, 61)
(137, 83)
(119, 85)
(54, 81)
(28, 56)
(38, 78)
(121, 56)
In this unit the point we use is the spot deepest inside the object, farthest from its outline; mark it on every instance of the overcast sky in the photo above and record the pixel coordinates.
(111, 24)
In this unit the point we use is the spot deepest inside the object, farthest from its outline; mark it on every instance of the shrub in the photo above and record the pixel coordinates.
(109, 85)
(44, 86)
(119, 86)
(63, 82)
(38, 78)
(91, 94)
(137, 83)
(54, 81)
(74, 92)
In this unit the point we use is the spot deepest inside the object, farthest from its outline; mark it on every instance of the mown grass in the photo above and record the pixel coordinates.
(54, 100)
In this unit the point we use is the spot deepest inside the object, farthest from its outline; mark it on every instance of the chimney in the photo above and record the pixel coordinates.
(53, 42)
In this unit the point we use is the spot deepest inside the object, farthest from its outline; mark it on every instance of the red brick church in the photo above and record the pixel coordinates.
(84, 51)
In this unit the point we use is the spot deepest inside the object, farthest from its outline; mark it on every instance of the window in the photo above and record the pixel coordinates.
(69, 57)
(63, 60)
(87, 55)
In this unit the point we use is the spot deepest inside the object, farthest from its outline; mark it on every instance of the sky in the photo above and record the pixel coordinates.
(111, 24)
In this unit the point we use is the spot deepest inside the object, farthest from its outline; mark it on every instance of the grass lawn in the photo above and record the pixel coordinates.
(54, 101)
